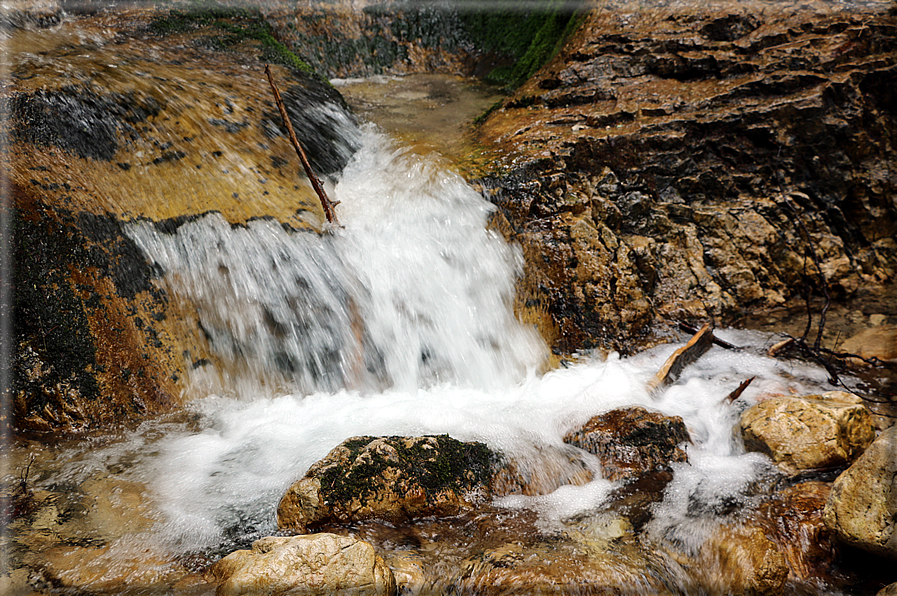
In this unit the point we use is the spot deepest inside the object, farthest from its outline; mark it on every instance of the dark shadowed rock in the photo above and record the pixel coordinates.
(632, 441)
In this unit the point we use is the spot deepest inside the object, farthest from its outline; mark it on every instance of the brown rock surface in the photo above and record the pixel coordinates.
(632, 441)
(811, 432)
(109, 120)
(317, 564)
(662, 165)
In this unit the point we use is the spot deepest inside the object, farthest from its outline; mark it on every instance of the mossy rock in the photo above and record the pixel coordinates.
(391, 478)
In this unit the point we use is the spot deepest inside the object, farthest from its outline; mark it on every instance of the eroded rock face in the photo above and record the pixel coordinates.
(148, 119)
(861, 510)
(317, 564)
(632, 441)
(666, 163)
(821, 431)
(392, 478)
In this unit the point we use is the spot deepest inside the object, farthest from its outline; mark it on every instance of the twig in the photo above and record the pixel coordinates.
(326, 203)
(739, 390)
(716, 341)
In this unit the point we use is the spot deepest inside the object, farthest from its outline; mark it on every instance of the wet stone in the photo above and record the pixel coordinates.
(632, 441)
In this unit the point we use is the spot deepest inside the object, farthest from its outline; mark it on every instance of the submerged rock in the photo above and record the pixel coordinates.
(792, 519)
(811, 432)
(860, 509)
(632, 441)
(874, 342)
(390, 478)
(742, 560)
(317, 564)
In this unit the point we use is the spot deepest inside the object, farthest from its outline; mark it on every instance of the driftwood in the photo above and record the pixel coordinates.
(672, 368)
(326, 203)
(739, 390)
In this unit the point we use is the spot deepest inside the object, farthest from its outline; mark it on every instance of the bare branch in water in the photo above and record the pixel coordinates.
(326, 203)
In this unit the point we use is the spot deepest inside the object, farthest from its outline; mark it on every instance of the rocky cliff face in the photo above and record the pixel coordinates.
(698, 163)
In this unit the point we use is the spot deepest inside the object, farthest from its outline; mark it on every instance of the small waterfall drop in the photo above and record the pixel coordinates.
(413, 291)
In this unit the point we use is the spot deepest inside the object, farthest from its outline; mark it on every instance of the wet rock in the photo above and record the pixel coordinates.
(632, 441)
(150, 120)
(860, 509)
(742, 560)
(818, 431)
(315, 564)
(876, 342)
(890, 590)
(792, 519)
(391, 478)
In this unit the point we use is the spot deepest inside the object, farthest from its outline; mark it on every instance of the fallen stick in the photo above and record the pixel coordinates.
(672, 368)
(326, 203)
(717, 341)
(739, 390)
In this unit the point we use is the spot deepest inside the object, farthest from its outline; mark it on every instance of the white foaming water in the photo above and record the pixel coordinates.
(400, 324)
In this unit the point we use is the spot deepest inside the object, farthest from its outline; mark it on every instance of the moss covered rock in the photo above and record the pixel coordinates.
(390, 478)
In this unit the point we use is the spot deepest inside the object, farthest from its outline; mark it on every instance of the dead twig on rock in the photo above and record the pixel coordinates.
(326, 203)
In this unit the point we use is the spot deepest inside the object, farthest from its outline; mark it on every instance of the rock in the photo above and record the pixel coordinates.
(742, 560)
(804, 433)
(792, 519)
(700, 115)
(390, 478)
(172, 133)
(890, 590)
(876, 342)
(319, 564)
(632, 441)
(861, 509)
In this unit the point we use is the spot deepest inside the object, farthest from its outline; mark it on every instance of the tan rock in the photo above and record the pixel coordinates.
(817, 431)
(874, 342)
(862, 507)
(890, 590)
(316, 564)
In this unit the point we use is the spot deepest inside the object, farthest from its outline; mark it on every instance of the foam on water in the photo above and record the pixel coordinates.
(400, 324)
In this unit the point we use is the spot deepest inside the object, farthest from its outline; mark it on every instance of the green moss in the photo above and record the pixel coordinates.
(449, 465)
(231, 26)
(525, 34)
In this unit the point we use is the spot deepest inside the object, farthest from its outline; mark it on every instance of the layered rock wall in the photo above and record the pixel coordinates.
(698, 163)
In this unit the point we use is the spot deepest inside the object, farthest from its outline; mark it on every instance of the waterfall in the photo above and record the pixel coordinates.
(398, 323)
(413, 291)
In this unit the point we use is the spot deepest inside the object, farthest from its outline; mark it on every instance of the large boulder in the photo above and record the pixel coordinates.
(317, 564)
(390, 478)
(630, 442)
(151, 121)
(811, 432)
(862, 507)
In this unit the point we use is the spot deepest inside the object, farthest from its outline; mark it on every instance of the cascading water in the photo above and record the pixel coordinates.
(398, 324)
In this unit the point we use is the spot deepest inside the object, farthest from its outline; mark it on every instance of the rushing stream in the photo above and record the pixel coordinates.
(398, 323)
